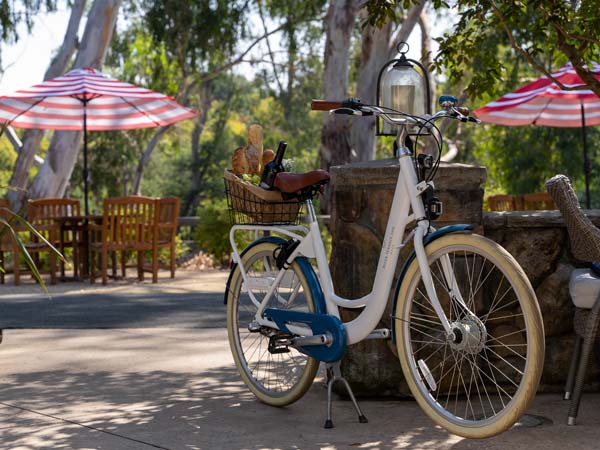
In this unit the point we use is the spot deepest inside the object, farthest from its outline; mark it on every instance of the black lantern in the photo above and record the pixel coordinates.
(402, 88)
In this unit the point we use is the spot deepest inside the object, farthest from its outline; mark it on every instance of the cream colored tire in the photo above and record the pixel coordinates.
(482, 382)
(276, 379)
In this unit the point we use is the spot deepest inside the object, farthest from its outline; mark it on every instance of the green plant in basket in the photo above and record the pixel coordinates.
(254, 179)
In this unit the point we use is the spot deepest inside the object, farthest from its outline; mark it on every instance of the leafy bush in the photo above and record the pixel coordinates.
(212, 233)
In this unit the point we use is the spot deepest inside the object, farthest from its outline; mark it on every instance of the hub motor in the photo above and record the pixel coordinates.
(468, 335)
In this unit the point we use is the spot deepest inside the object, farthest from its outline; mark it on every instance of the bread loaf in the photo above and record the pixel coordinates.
(249, 159)
(268, 156)
(253, 159)
(239, 163)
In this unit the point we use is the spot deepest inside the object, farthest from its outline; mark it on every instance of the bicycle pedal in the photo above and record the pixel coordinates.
(277, 346)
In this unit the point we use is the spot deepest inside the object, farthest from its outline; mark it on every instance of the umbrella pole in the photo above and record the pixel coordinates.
(86, 251)
(85, 160)
(586, 161)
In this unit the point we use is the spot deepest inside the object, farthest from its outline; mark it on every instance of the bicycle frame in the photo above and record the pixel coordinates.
(406, 208)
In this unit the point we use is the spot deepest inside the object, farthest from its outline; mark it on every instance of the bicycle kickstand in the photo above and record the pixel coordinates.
(334, 374)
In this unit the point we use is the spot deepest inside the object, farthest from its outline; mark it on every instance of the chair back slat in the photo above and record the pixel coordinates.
(503, 202)
(128, 222)
(42, 211)
(538, 201)
(168, 217)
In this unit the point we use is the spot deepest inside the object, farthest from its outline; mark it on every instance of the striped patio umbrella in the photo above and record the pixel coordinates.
(86, 99)
(542, 102)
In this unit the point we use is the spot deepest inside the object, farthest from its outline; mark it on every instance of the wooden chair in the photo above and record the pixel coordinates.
(167, 220)
(538, 201)
(43, 214)
(128, 224)
(8, 243)
(503, 202)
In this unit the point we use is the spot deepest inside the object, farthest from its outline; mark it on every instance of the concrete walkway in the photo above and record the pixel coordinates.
(165, 380)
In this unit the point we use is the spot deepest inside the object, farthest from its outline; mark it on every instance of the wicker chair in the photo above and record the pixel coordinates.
(128, 224)
(8, 244)
(584, 286)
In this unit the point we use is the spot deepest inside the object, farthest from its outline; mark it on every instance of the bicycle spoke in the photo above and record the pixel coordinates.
(478, 371)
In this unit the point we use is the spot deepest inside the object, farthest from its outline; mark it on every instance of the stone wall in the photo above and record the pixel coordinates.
(539, 242)
(362, 194)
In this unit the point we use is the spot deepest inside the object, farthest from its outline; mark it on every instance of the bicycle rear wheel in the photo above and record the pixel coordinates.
(277, 374)
(478, 382)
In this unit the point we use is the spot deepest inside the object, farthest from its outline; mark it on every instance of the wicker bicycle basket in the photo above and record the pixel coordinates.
(250, 204)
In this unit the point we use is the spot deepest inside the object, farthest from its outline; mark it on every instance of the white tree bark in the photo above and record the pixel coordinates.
(339, 23)
(53, 177)
(32, 138)
(378, 47)
(374, 54)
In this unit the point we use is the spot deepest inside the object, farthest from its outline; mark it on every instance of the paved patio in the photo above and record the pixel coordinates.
(142, 366)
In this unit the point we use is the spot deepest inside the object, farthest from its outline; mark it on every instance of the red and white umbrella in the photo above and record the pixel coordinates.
(542, 102)
(86, 99)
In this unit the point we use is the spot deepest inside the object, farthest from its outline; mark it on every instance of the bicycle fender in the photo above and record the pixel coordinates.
(319, 324)
(309, 273)
(458, 228)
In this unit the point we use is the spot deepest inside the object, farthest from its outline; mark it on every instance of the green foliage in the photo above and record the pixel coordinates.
(212, 234)
(7, 160)
(196, 34)
(539, 32)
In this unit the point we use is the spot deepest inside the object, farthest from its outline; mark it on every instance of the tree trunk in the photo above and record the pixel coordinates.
(53, 177)
(32, 138)
(192, 200)
(426, 55)
(378, 47)
(335, 142)
(139, 173)
(374, 54)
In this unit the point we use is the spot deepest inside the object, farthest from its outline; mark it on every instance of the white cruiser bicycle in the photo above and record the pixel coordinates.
(465, 320)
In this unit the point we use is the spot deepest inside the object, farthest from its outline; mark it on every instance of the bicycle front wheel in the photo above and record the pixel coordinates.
(277, 374)
(479, 381)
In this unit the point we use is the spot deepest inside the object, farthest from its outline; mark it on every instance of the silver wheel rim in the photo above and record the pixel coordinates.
(274, 374)
(473, 388)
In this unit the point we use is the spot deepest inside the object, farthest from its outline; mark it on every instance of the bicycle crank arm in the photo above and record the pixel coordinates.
(320, 339)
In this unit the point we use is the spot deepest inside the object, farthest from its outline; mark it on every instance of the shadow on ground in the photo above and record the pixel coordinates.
(161, 409)
(156, 309)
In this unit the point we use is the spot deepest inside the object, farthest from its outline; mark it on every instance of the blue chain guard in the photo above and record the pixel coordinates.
(319, 324)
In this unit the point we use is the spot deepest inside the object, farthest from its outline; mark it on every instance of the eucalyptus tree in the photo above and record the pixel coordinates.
(32, 138)
(53, 177)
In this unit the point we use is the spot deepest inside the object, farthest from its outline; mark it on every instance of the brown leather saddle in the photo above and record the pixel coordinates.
(301, 185)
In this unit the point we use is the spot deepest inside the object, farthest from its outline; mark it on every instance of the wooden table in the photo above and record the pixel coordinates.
(78, 226)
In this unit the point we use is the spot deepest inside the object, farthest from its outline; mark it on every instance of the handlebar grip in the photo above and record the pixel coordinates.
(325, 105)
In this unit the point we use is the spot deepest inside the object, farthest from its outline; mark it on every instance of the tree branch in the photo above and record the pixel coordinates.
(240, 58)
(406, 28)
(514, 44)
(275, 72)
(216, 72)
